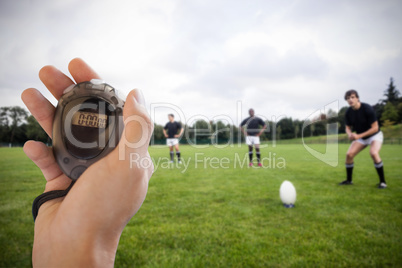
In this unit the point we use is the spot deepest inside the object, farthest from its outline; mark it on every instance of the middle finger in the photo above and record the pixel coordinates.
(55, 81)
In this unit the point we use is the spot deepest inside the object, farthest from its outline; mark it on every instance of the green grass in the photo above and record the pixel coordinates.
(232, 216)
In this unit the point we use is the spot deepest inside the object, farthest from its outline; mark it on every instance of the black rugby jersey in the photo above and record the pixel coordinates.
(172, 128)
(252, 124)
(360, 120)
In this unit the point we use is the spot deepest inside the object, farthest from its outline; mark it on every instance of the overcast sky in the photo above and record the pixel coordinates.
(209, 58)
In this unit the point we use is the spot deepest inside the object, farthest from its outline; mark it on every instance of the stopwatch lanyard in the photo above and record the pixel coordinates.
(40, 200)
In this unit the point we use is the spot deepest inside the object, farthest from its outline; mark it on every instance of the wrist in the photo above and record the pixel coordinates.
(90, 248)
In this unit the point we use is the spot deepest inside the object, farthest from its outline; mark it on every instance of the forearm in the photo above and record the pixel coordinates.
(348, 131)
(369, 132)
(243, 130)
(262, 130)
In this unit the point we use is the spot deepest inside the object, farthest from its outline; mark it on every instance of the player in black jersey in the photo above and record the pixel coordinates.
(170, 131)
(252, 124)
(360, 118)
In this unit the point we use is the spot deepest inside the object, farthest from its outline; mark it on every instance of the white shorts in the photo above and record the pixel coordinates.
(172, 142)
(377, 137)
(251, 140)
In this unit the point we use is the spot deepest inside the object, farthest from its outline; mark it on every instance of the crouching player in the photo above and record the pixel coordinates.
(360, 117)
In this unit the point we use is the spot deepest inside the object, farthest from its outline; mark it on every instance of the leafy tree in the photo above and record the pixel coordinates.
(312, 129)
(201, 124)
(34, 130)
(387, 127)
(4, 119)
(332, 116)
(18, 115)
(341, 119)
(387, 123)
(19, 135)
(268, 133)
(379, 109)
(390, 113)
(287, 128)
(391, 93)
(202, 130)
(236, 133)
(11, 121)
(278, 132)
(222, 131)
(297, 126)
(297, 130)
(320, 127)
(399, 109)
(392, 96)
(4, 124)
(158, 134)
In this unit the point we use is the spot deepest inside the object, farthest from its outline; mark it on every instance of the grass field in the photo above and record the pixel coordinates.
(203, 215)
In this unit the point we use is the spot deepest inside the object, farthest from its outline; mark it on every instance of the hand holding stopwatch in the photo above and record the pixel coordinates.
(87, 125)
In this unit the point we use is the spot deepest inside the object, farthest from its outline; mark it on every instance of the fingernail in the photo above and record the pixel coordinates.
(139, 96)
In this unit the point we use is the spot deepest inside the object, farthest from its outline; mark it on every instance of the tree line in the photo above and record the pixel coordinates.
(17, 126)
(388, 111)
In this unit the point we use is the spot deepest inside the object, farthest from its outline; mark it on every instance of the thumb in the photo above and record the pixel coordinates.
(139, 97)
(138, 126)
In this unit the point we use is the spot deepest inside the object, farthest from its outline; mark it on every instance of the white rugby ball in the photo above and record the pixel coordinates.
(287, 193)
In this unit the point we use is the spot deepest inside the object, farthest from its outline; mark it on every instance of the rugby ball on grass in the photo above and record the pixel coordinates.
(287, 193)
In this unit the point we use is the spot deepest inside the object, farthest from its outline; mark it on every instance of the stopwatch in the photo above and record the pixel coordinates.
(87, 125)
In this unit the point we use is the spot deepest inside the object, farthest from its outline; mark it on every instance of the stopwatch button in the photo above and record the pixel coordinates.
(122, 95)
(97, 81)
(77, 171)
(69, 88)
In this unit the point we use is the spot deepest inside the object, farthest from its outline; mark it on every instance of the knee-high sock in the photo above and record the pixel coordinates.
(258, 154)
(250, 155)
(380, 170)
(349, 171)
(178, 155)
(171, 155)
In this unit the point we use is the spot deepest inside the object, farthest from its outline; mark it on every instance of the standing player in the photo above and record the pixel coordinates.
(360, 117)
(172, 128)
(253, 123)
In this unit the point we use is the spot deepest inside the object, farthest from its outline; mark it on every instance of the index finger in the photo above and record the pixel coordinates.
(56, 81)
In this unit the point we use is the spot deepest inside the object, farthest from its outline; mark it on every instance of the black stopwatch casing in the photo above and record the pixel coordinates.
(87, 125)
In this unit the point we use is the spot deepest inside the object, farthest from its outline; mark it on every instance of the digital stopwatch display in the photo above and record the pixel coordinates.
(88, 119)
(91, 121)
(87, 126)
